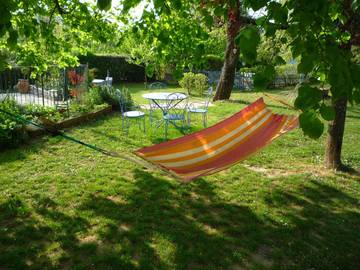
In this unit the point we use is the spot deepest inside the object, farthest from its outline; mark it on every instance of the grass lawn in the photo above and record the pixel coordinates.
(63, 206)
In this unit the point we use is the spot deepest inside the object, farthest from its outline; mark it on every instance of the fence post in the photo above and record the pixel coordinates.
(42, 89)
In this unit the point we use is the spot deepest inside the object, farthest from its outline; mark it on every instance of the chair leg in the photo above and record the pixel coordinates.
(204, 119)
(139, 124)
(127, 124)
(166, 128)
(150, 116)
(188, 118)
(144, 124)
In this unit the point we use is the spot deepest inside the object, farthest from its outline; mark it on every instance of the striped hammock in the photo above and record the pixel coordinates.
(220, 146)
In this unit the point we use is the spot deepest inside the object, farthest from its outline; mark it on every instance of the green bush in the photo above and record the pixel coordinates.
(126, 96)
(286, 69)
(195, 84)
(103, 95)
(200, 84)
(117, 66)
(187, 82)
(253, 69)
(213, 62)
(93, 97)
(77, 107)
(34, 111)
(11, 131)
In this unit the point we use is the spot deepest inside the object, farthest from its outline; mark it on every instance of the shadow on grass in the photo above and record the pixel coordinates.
(33, 146)
(164, 225)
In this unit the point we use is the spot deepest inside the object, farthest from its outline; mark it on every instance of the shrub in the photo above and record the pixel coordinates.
(34, 111)
(11, 132)
(77, 107)
(195, 84)
(200, 84)
(126, 96)
(104, 95)
(286, 69)
(93, 97)
(213, 62)
(187, 82)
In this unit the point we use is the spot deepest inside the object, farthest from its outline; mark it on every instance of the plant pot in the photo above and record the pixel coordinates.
(23, 86)
(73, 93)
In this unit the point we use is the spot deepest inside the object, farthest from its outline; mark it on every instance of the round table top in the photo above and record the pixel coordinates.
(164, 96)
(98, 81)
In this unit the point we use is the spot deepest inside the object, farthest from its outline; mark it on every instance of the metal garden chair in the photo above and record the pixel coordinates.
(202, 108)
(153, 108)
(108, 81)
(135, 113)
(175, 111)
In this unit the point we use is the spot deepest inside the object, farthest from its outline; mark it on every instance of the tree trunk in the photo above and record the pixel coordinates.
(335, 136)
(226, 82)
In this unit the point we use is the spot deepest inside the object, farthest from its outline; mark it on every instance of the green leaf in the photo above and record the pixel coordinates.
(357, 96)
(163, 36)
(209, 20)
(149, 70)
(255, 4)
(279, 60)
(176, 4)
(248, 39)
(327, 112)
(12, 39)
(308, 98)
(306, 64)
(104, 4)
(311, 125)
(158, 4)
(278, 12)
(264, 77)
(260, 21)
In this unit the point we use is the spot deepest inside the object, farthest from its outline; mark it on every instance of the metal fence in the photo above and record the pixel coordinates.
(50, 88)
(287, 80)
(245, 81)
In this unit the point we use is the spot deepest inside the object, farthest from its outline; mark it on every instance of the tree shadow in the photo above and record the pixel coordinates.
(161, 224)
(22, 151)
(318, 229)
(195, 225)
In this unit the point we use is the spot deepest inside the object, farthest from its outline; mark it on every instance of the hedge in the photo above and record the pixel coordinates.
(117, 66)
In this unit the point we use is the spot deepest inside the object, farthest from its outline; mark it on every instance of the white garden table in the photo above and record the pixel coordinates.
(159, 98)
(98, 82)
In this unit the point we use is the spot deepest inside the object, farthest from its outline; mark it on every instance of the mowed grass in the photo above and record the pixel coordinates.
(63, 206)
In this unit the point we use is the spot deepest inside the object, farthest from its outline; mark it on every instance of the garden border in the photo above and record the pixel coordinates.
(71, 122)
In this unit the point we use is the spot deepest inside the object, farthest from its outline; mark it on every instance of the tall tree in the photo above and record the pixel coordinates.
(226, 81)
(322, 34)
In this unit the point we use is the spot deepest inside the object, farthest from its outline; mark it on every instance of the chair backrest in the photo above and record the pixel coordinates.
(108, 81)
(208, 97)
(122, 100)
(176, 103)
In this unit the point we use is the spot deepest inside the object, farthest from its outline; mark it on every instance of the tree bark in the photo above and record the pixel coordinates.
(335, 136)
(226, 81)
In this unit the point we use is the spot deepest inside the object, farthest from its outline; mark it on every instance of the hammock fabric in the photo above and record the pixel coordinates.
(220, 146)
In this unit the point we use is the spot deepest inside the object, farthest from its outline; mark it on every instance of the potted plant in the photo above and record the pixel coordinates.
(75, 81)
(23, 85)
